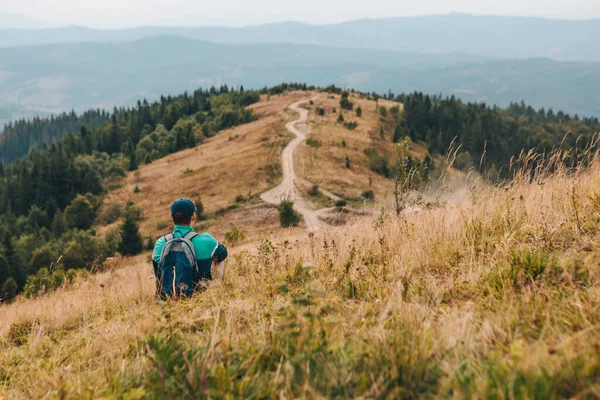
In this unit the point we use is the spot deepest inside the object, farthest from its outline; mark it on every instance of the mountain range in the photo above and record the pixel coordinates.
(546, 63)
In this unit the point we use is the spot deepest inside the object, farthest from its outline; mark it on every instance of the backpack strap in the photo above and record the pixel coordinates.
(169, 237)
(190, 235)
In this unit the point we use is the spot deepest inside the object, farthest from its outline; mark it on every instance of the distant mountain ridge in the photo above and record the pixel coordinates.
(502, 37)
(54, 78)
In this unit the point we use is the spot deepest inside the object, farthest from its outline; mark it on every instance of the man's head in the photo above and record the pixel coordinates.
(183, 212)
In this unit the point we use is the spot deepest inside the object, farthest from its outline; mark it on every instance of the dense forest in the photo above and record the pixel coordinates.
(489, 136)
(20, 137)
(49, 199)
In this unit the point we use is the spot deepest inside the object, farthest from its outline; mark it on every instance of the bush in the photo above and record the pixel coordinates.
(83, 251)
(379, 165)
(340, 118)
(383, 111)
(239, 198)
(79, 214)
(345, 103)
(341, 203)
(313, 191)
(150, 242)
(359, 112)
(313, 142)
(235, 236)
(110, 214)
(287, 215)
(320, 111)
(9, 289)
(351, 125)
(368, 195)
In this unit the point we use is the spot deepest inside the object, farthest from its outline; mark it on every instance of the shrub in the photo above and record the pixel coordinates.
(83, 251)
(383, 111)
(320, 111)
(345, 103)
(351, 125)
(287, 215)
(239, 198)
(341, 203)
(313, 142)
(79, 214)
(313, 191)
(110, 214)
(235, 236)
(368, 195)
(150, 242)
(9, 289)
(379, 165)
(359, 112)
(340, 118)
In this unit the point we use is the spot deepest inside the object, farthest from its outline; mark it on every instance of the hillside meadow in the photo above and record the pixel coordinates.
(493, 295)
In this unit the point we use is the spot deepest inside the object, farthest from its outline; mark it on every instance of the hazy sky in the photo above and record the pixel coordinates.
(119, 13)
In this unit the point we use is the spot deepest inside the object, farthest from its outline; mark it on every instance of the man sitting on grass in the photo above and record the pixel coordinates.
(185, 261)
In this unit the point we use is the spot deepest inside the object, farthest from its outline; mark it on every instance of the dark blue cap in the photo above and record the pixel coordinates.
(183, 206)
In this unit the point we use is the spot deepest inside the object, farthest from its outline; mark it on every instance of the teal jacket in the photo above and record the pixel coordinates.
(206, 247)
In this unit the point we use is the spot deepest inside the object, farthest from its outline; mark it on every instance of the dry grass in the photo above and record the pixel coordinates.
(326, 166)
(493, 296)
(240, 161)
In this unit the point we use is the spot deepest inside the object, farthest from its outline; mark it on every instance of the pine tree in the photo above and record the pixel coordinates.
(340, 118)
(131, 242)
(359, 111)
(347, 162)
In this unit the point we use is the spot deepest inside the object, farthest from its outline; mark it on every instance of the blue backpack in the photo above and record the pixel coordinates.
(178, 267)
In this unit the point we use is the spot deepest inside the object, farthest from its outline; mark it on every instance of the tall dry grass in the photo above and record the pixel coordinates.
(493, 296)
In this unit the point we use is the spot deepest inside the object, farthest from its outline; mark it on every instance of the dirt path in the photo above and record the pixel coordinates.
(286, 190)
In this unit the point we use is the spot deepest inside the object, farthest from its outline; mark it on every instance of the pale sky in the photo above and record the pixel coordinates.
(123, 13)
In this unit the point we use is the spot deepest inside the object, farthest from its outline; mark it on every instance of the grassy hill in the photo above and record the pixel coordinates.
(229, 172)
(493, 295)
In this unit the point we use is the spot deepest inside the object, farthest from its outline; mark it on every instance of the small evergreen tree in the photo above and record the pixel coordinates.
(347, 162)
(287, 215)
(9, 289)
(131, 242)
(340, 118)
(359, 111)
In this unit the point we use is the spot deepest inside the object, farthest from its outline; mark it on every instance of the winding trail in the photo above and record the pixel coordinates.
(286, 190)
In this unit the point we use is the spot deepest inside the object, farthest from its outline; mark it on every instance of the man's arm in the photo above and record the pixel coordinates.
(158, 247)
(220, 253)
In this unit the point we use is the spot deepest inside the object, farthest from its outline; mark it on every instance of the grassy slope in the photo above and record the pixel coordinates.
(240, 161)
(494, 296)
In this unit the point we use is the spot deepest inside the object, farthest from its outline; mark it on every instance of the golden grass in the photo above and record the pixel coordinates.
(325, 165)
(495, 296)
(239, 161)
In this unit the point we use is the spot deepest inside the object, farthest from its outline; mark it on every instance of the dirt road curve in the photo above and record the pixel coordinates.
(286, 190)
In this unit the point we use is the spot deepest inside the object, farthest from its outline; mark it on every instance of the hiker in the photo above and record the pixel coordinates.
(185, 261)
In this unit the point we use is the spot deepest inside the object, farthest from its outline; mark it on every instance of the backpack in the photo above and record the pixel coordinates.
(178, 267)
